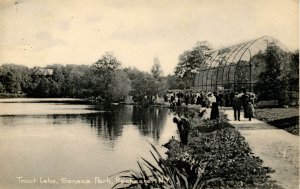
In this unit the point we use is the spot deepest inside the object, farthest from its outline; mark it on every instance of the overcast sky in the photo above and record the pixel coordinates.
(41, 32)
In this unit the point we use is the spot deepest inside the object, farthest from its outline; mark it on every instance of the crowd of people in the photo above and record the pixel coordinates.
(211, 101)
(200, 98)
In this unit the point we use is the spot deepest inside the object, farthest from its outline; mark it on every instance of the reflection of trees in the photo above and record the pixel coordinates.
(150, 120)
(110, 123)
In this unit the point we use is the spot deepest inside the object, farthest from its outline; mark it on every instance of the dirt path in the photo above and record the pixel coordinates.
(277, 148)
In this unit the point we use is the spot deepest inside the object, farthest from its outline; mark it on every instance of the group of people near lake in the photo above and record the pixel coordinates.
(210, 101)
(180, 98)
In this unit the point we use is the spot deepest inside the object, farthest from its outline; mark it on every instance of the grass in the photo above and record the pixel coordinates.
(283, 118)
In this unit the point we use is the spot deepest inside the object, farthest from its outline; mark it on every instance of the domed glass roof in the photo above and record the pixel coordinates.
(237, 66)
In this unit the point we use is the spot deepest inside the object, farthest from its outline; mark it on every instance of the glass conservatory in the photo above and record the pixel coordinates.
(238, 67)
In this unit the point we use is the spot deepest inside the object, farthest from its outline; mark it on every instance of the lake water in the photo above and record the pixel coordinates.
(52, 139)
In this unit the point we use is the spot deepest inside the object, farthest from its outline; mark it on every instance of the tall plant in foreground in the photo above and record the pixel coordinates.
(163, 174)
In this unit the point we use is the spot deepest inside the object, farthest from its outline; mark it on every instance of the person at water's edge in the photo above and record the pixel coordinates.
(183, 126)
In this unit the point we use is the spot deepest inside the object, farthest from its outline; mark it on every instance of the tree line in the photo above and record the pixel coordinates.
(108, 81)
(104, 80)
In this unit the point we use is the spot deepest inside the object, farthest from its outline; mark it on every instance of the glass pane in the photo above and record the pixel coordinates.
(208, 79)
(214, 77)
(258, 65)
(196, 80)
(231, 73)
(220, 75)
(225, 75)
(242, 72)
(201, 77)
(208, 88)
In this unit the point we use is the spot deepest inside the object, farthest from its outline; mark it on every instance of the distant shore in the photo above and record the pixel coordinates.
(12, 95)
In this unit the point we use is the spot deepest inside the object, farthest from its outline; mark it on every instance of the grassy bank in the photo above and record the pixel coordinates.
(216, 156)
(283, 118)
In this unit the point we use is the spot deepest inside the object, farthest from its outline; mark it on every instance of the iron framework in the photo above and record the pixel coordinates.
(237, 67)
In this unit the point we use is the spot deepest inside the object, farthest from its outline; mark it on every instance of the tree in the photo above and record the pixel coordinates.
(295, 56)
(270, 85)
(143, 87)
(107, 63)
(119, 87)
(9, 81)
(43, 88)
(104, 70)
(15, 78)
(172, 82)
(2, 89)
(132, 72)
(190, 61)
(156, 69)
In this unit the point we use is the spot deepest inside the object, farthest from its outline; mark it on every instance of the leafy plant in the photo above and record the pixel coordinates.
(164, 174)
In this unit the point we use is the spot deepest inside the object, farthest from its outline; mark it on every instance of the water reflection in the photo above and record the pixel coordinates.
(76, 141)
(150, 121)
(108, 121)
(109, 124)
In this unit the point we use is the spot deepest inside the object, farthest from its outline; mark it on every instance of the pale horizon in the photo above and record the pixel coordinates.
(39, 33)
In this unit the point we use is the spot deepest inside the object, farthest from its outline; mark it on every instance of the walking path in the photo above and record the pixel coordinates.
(277, 148)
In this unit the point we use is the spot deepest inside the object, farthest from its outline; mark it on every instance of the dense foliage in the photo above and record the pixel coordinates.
(278, 77)
(230, 163)
(104, 80)
(216, 156)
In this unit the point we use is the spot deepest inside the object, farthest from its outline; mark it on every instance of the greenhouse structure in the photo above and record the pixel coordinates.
(237, 67)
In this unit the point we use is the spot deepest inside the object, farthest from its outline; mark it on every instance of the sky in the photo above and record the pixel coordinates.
(43, 32)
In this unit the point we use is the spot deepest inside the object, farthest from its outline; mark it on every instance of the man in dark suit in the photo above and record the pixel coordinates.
(236, 104)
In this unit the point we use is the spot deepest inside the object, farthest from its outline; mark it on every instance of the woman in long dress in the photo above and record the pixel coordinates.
(250, 110)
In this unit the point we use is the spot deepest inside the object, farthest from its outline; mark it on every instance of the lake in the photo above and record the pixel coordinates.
(50, 143)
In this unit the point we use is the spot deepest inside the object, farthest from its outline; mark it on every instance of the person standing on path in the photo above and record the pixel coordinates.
(211, 99)
(250, 110)
(245, 99)
(236, 104)
(214, 111)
